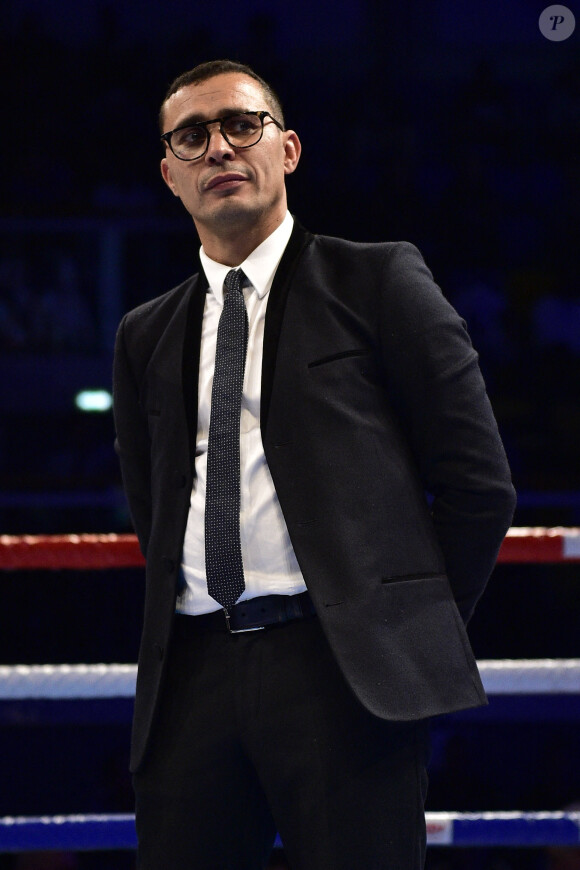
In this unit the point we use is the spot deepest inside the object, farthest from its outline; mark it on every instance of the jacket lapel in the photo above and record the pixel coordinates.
(299, 239)
(190, 358)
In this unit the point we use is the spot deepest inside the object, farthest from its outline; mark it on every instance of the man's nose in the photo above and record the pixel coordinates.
(218, 148)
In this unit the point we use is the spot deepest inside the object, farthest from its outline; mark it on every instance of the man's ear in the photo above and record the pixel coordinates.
(292, 151)
(166, 174)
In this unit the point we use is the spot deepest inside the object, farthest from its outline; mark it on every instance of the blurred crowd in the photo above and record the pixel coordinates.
(476, 161)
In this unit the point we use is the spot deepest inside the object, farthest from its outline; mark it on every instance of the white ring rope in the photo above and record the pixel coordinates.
(19, 682)
(530, 676)
(500, 677)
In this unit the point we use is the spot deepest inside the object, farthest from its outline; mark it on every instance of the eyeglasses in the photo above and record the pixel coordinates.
(241, 130)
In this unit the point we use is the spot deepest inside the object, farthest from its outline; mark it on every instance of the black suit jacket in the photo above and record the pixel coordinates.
(383, 449)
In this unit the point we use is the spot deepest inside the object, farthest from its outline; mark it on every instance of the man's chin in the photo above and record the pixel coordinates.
(231, 212)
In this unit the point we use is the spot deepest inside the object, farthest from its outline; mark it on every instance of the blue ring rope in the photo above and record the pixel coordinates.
(78, 833)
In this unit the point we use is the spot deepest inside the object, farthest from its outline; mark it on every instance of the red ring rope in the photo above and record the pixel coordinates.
(94, 552)
(20, 552)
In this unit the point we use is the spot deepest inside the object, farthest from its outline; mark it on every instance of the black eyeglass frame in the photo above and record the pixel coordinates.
(166, 137)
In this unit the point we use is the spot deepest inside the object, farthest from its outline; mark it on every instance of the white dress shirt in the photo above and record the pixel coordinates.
(270, 566)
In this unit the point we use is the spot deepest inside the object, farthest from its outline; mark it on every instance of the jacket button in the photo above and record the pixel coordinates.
(159, 651)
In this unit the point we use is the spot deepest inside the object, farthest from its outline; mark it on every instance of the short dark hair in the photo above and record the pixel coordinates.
(204, 71)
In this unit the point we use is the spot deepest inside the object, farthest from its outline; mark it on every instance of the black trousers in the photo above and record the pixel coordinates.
(259, 733)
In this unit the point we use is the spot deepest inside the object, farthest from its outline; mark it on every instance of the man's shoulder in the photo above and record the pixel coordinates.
(321, 243)
(144, 327)
(389, 261)
(396, 270)
(333, 246)
(162, 308)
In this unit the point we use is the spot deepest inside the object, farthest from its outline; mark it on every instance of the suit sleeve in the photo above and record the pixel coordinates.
(434, 381)
(132, 440)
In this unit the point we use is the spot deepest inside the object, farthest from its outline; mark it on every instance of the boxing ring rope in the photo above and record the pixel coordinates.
(83, 682)
(102, 681)
(94, 552)
(99, 832)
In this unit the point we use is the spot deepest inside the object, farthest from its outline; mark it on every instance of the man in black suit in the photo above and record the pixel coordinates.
(291, 656)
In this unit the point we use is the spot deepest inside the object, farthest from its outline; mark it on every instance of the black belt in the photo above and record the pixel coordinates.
(256, 613)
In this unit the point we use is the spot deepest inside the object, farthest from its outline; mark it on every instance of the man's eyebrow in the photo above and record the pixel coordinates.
(196, 118)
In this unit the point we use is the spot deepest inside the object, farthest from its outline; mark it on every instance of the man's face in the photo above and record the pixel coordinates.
(229, 189)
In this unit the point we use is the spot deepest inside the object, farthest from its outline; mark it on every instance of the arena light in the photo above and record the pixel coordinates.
(97, 401)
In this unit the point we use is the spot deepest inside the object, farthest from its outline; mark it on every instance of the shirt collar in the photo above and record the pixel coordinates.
(259, 267)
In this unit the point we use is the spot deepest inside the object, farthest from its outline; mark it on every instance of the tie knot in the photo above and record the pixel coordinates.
(234, 280)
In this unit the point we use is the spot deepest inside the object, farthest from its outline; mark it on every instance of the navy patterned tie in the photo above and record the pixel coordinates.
(223, 551)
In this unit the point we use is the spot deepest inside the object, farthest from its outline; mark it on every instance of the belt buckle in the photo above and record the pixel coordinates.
(240, 630)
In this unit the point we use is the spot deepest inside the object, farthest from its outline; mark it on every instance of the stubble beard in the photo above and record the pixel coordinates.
(231, 217)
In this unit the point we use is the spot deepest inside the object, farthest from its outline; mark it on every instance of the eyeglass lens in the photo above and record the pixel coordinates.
(239, 130)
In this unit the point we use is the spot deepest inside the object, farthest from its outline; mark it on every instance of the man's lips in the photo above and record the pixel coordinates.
(223, 180)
